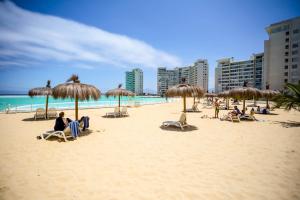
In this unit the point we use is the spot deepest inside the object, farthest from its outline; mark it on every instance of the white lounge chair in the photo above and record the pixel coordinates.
(180, 124)
(40, 114)
(65, 134)
(52, 113)
(116, 113)
(60, 134)
(231, 117)
(194, 108)
(124, 111)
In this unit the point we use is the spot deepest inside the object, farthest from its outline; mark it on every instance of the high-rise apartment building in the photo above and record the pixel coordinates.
(282, 54)
(196, 74)
(134, 81)
(230, 74)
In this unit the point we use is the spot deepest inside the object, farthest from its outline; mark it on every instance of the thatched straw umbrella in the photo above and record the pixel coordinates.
(42, 91)
(225, 95)
(118, 92)
(184, 90)
(268, 94)
(245, 93)
(76, 90)
(210, 95)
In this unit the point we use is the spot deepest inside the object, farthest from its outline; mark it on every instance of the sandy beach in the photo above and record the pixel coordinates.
(134, 158)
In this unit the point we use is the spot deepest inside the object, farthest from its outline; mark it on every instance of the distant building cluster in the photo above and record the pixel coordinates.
(277, 65)
(230, 74)
(195, 74)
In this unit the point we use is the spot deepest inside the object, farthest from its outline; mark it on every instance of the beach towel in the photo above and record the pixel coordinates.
(74, 126)
(86, 122)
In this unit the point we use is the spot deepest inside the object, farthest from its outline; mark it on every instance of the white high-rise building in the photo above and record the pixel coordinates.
(196, 74)
(282, 54)
(230, 74)
(134, 81)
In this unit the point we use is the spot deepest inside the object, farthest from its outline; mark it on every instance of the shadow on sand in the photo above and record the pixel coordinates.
(176, 129)
(112, 117)
(266, 114)
(288, 124)
(31, 119)
(190, 111)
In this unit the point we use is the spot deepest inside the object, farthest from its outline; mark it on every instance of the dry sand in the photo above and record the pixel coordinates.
(133, 158)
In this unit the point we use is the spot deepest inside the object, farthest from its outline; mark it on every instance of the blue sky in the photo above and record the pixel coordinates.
(101, 39)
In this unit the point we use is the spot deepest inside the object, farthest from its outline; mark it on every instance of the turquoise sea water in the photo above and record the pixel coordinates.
(26, 103)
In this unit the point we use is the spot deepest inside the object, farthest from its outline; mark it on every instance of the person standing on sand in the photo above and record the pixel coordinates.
(217, 108)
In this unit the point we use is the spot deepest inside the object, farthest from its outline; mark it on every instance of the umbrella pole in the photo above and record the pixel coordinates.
(119, 103)
(47, 97)
(268, 104)
(76, 108)
(226, 102)
(244, 105)
(194, 100)
(184, 104)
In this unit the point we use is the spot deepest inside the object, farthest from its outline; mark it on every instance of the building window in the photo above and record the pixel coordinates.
(286, 53)
(287, 39)
(286, 60)
(295, 59)
(296, 31)
(294, 66)
(294, 52)
(286, 67)
(295, 45)
(286, 73)
(285, 80)
(287, 33)
(286, 46)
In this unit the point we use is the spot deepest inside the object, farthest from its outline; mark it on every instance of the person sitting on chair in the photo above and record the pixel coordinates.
(61, 123)
(237, 110)
(258, 109)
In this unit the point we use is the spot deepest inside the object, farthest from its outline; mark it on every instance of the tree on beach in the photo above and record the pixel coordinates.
(290, 98)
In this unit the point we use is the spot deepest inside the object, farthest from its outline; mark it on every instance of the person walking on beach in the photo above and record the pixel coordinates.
(217, 108)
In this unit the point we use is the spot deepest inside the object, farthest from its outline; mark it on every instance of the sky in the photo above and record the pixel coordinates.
(100, 40)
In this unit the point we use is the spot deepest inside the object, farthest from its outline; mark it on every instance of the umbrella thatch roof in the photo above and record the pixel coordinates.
(210, 95)
(186, 90)
(119, 92)
(41, 91)
(76, 89)
(269, 93)
(245, 92)
(224, 94)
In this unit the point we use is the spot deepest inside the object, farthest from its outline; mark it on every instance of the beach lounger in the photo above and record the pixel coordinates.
(52, 113)
(40, 114)
(180, 124)
(235, 118)
(116, 113)
(72, 131)
(60, 134)
(230, 117)
(124, 111)
(194, 108)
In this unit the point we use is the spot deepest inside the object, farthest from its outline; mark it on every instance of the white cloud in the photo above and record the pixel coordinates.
(42, 38)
